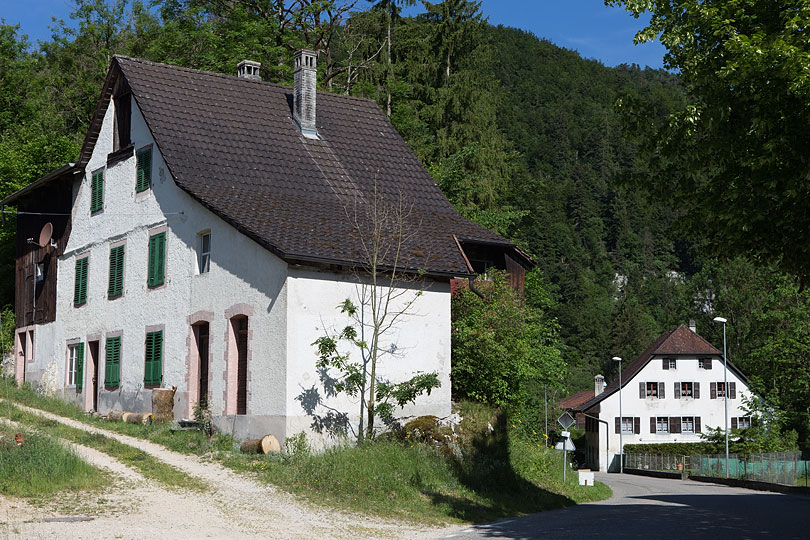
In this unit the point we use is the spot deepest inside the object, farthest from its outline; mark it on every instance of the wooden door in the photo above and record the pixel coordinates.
(241, 329)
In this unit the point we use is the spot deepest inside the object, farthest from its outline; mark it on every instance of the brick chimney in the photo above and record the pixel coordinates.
(598, 385)
(304, 91)
(248, 69)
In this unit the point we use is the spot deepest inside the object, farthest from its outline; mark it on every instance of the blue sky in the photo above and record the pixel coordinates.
(587, 26)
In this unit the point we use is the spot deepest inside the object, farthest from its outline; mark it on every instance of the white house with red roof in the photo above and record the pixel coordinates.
(672, 392)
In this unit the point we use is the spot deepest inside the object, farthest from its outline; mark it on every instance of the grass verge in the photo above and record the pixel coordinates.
(494, 475)
(147, 465)
(42, 466)
(185, 442)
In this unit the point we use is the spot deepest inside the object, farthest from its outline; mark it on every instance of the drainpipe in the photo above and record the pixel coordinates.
(473, 289)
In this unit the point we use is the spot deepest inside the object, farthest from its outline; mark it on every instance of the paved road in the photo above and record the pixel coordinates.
(657, 508)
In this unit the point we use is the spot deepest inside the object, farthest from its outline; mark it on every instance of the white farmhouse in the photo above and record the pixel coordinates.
(672, 392)
(205, 236)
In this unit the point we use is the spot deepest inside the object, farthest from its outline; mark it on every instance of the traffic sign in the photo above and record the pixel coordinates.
(566, 420)
(565, 444)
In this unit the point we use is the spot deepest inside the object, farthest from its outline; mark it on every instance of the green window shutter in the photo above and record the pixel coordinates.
(153, 370)
(112, 369)
(80, 282)
(97, 192)
(157, 259)
(79, 366)
(115, 287)
(144, 171)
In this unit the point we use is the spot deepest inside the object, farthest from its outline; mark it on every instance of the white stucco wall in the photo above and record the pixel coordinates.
(710, 411)
(243, 277)
(421, 339)
(287, 309)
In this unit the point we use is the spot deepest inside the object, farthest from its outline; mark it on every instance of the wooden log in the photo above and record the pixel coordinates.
(265, 445)
(115, 416)
(138, 418)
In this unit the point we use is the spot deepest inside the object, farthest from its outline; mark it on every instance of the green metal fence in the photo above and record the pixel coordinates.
(775, 467)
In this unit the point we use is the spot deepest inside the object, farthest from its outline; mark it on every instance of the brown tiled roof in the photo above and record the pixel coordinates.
(577, 399)
(680, 341)
(232, 145)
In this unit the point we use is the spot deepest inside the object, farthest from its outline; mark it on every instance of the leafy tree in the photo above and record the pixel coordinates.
(738, 149)
(504, 344)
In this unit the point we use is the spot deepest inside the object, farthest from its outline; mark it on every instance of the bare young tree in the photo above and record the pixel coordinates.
(386, 293)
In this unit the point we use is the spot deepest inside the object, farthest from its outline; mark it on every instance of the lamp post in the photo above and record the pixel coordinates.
(725, 383)
(621, 443)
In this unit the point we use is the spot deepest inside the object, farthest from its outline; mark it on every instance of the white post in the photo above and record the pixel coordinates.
(621, 420)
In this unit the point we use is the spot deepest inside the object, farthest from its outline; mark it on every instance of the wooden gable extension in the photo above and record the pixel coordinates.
(35, 300)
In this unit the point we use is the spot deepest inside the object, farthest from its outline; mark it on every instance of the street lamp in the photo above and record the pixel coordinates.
(725, 383)
(621, 421)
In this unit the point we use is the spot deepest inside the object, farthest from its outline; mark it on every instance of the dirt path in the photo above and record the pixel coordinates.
(235, 507)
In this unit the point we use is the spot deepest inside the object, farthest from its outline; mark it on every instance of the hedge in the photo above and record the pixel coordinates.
(673, 449)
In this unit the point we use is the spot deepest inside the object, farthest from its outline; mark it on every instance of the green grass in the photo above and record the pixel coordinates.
(185, 442)
(147, 465)
(502, 474)
(499, 476)
(42, 466)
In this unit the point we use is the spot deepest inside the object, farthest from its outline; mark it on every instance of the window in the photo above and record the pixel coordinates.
(112, 362)
(157, 259)
(153, 372)
(662, 424)
(80, 282)
(742, 422)
(628, 424)
(97, 191)
(669, 363)
(705, 363)
(651, 390)
(115, 287)
(143, 168)
(204, 256)
(75, 370)
(688, 424)
(718, 390)
(687, 390)
(123, 113)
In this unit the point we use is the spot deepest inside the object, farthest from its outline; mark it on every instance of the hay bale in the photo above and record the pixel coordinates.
(163, 404)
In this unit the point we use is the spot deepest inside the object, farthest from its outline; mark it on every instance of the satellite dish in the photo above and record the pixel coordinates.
(45, 234)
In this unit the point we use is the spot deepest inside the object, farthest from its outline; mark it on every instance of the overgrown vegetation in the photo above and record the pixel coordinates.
(41, 465)
(489, 471)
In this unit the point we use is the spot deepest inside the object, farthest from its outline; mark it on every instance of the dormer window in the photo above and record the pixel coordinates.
(122, 99)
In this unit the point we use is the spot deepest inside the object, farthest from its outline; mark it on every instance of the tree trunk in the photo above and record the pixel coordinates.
(115, 416)
(390, 68)
(265, 445)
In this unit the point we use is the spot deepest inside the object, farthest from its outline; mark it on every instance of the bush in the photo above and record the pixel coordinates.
(674, 449)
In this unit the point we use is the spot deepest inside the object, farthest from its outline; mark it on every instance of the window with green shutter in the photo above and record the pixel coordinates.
(80, 282)
(115, 287)
(79, 366)
(143, 170)
(153, 372)
(157, 259)
(97, 191)
(112, 364)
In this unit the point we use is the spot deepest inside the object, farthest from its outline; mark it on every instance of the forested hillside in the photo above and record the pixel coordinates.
(522, 136)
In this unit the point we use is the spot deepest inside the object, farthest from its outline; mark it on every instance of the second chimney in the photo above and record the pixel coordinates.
(304, 90)
(248, 69)
(693, 326)
(598, 385)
